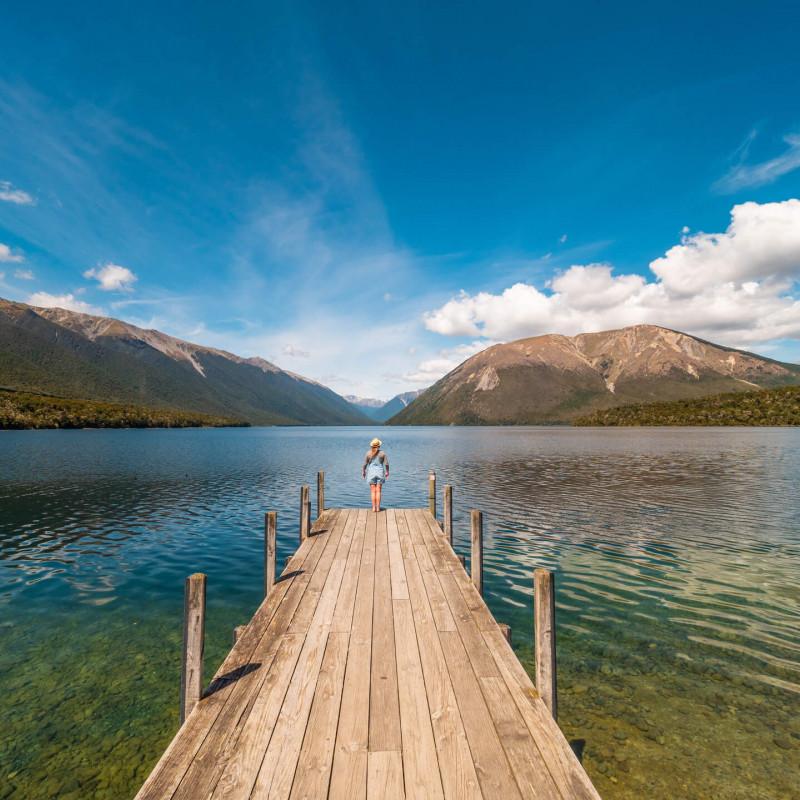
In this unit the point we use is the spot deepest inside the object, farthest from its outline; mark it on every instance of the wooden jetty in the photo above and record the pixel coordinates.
(372, 669)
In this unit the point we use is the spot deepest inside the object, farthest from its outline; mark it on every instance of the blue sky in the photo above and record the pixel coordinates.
(368, 193)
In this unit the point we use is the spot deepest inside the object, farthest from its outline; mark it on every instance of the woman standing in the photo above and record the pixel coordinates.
(375, 471)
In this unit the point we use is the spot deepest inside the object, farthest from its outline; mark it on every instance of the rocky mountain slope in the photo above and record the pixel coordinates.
(60, 352)
(380, 410)
(554, 378)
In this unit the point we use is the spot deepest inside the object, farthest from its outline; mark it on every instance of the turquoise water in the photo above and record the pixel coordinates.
(677, 555)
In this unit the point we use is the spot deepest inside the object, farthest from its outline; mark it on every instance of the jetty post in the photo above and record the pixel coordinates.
(447, 510)
(237, 632)
(544, 610)
(194, 634)
(476, 558)
(270, 536)
(320, 493)
(432, 493)
(506, 630)
(305, 512)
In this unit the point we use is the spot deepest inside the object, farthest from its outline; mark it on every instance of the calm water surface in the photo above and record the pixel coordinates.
(677, 555)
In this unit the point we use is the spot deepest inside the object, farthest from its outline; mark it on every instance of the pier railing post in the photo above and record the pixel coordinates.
(476, 559)
(270, 536)
(432, 493)
(506, 630)
(448, 512)
(305, 512)
(544, 609)
(320, 493)
(194, 633)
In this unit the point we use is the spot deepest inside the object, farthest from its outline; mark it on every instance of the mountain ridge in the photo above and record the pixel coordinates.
(555, 378)
(71, 354)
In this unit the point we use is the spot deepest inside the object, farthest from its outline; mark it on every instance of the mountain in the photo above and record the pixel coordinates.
(553, 378)
(64, 353)
(380, 410)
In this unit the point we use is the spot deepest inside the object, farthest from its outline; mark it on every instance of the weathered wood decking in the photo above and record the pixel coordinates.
(372, 670)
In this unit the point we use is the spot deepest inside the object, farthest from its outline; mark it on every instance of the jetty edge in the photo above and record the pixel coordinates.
(372, 669)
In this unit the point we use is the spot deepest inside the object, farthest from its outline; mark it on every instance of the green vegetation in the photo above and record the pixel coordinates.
(23, 410)
(766, 407)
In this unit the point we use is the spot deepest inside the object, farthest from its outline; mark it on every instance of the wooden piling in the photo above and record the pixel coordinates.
(448, 512)
(237, 632)
(506, 630)
(270, 536)
(544, 609)
(194, 633)
(463, 561)
(320, 493)
(305, 512)
(476, 559)
(432, 493)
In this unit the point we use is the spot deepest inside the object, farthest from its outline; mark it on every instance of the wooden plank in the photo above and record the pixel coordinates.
(350, 763)
(439, 605)
(224, 741)
(343, 616)
(561, 761)
(385, 780)
(527, 764)
(277, 770)
(420, 761)
(173, 764)
(455, 760)
(491, 765)
(194, 637)
(399, 587)
(316, 756)
(384, 718)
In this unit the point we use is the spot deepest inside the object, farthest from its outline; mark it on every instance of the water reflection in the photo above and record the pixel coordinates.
(676, 554)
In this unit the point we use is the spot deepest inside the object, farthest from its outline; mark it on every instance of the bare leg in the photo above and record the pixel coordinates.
(379, 488)
(372, 491)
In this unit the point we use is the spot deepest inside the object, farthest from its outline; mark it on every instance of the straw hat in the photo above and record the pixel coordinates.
(375, 443)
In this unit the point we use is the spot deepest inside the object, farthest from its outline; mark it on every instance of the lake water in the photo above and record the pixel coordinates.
(677, 555)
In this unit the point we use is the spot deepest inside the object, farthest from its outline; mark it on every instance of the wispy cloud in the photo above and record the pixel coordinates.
(8, 194)
(24, 274)
(294, 352)
(6, 256)
(745, 176)
(68, 301)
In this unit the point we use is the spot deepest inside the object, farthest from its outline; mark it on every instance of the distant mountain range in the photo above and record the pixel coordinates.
(382, 410)
(553, 378)
(64, 353)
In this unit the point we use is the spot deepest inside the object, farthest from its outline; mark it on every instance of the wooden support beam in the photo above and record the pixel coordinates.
(237, 632)
(320, 493)
(194, 634)
(448, 512)
(476, 559)
(432, 493)
(305, 512)
(270, 537)
(506, 629)
(544, 609)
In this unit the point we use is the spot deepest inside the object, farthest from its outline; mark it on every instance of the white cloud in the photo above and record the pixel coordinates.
(294, 352)
(68, 301)
(7, 256)
(736, 288)
(744, 176)
(24, 274)
(112, 277)
(563, 238)
(430, 370)
(9, 194)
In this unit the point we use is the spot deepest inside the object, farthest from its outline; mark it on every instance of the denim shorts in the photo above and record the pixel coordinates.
(376, 479)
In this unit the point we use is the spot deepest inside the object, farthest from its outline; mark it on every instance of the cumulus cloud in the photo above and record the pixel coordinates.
(68, 301)
(9, 194)
(24, 274)
(112, 277)
(7, 256)
(745, 176)
(737, 288)
(430, 370)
